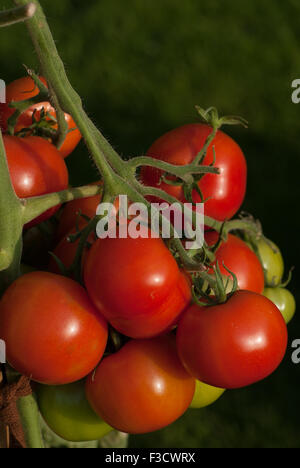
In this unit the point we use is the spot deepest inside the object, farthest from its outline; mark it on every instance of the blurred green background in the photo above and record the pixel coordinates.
(141, 66)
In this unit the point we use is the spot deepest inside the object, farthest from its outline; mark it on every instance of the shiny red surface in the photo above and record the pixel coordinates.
(234, 344)
(136, 284)
(52, 331)
(141, 388)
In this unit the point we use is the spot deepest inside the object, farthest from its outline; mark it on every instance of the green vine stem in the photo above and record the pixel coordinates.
(10, 225)
(179, 171)
(35, 206)
(63, 127)
(29, 412)
(17, 15)
(244, 223)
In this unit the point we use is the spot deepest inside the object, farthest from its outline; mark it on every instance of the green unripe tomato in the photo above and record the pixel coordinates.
(68, 413)
(272, 261)
(284, 300)
(205, 395)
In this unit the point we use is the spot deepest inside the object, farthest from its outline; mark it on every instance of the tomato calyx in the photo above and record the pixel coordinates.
(211, 117)
(41, 126)
(44, 124)
(212, 289)
(21, 106)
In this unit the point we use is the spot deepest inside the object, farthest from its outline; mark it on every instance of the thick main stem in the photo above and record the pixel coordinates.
(29, 412)
(11, 226)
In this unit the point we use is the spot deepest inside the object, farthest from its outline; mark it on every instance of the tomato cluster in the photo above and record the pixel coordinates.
(126, 344)
(36, 166)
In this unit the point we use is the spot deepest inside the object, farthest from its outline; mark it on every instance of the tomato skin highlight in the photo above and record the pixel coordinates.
(205, 395)
(136, 284)
(159, 390)
(180, 146)
(284, 300)
(52, 331)
(240, 259)
(235, 344)
(23, 89)
(36, 168)
(67, 412)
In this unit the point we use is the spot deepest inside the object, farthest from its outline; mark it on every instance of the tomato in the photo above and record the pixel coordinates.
(19, 90)
(73, 137)
(284, 300)
(180, 146)
(205, 395)
(68, 413)
(36, 168)
(141, 388)
(272, 261)
(52, 331)
(136, 284)
(234, 344)
(240, 259)
(23, 89)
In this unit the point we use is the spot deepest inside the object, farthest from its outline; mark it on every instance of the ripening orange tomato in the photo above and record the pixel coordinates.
(23, 89)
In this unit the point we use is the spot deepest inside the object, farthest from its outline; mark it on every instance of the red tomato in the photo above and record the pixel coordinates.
(240, 259)
(180, 146)
(136, 284)
(23, 89)
(36, 168)
(52, 331)
(141, 388)
(234, 344)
